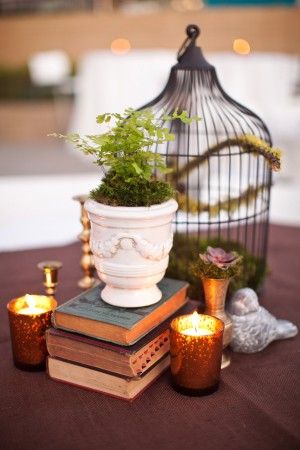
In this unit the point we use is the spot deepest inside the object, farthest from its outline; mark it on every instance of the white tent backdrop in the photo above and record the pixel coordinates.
(265, 83)
(46, 215)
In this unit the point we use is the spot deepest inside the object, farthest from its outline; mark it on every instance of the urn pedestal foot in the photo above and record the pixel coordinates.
(131, 298)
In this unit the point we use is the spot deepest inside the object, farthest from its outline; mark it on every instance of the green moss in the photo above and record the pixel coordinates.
(247, 197)
(185, 255)
(246, 143)
(117, 192)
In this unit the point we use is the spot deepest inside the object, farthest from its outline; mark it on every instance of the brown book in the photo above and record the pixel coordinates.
(87, 314)
(125, 360)
(104, 382)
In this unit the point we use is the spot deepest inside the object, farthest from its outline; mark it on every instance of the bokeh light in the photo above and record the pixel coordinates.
(120, 46)
(241, 46)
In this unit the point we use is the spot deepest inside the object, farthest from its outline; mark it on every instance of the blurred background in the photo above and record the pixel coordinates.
(62, 62)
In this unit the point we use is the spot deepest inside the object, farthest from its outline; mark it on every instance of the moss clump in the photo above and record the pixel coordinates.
(115, 191)
(247, 143)
(185, 255)
(230, 206)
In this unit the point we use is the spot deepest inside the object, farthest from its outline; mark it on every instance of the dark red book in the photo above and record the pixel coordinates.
(128, 361)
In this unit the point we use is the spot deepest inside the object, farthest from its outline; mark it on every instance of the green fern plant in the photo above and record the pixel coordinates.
(125, 151)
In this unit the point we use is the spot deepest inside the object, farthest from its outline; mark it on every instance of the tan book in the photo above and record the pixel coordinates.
(104, 382)
(87, 314)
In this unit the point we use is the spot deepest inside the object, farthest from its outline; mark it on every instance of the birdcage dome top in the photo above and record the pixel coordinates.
(193, 85)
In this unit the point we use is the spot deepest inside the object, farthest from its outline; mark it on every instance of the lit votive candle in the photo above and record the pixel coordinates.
(29, 317)
(196, 353)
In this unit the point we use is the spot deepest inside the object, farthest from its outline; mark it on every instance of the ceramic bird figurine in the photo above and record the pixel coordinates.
(254, 328)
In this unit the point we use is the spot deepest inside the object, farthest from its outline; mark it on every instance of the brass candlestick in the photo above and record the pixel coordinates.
(86, 261)
(50, 275)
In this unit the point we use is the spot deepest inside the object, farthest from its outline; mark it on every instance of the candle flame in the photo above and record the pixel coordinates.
(33, 305)
(30, 301)
(195, 320)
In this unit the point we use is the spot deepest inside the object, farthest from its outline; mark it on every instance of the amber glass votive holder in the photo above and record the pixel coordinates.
(196, 353)
(29, 317)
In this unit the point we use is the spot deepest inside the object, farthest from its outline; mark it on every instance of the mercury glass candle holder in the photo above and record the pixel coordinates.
(196, 353)
(29, 317)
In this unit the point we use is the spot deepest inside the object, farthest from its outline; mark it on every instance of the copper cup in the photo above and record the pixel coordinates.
(29, 317)
(196, 353)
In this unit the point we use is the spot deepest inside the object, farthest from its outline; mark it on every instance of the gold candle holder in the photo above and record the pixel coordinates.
(50, 275)
(86, 261)
(29, 317)
(215, 290)
(196, 352)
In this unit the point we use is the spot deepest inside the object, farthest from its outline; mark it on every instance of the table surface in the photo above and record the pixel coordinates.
(257, 404)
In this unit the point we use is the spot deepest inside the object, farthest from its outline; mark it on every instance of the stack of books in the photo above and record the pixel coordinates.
(117, 351)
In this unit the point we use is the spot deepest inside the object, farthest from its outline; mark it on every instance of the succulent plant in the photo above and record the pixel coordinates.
(217, 263)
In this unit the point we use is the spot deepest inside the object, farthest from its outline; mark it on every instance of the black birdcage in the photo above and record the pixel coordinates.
(223, 187)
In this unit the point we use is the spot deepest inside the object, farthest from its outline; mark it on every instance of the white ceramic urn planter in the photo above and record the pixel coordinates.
(131, 248)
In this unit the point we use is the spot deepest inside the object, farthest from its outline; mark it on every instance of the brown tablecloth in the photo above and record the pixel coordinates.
(256, 407)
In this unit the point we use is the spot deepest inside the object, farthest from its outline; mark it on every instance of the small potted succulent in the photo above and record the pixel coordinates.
(216, 267)
(131, 211)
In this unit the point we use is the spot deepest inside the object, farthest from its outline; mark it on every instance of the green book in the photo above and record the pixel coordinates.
(89, 315)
